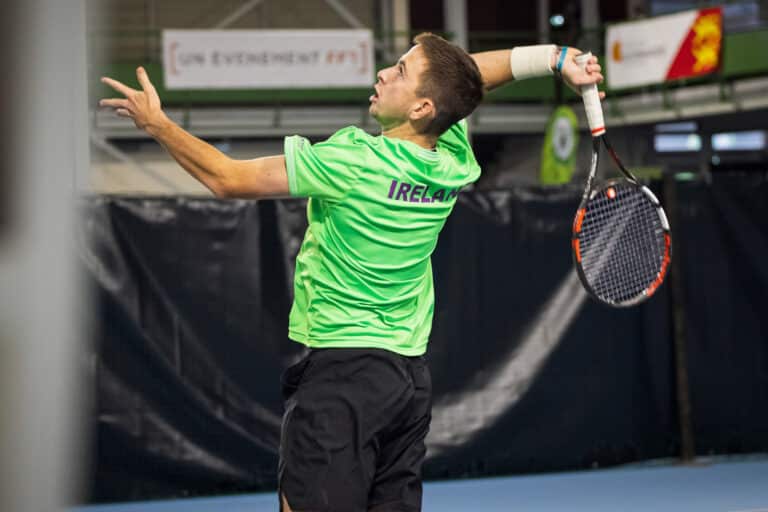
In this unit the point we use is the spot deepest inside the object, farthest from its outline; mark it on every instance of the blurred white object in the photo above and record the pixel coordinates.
(40, 453)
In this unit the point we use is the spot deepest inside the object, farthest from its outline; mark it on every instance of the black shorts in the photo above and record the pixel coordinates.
(353, 431)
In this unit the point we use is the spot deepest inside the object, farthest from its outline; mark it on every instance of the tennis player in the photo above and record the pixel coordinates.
(357, 407)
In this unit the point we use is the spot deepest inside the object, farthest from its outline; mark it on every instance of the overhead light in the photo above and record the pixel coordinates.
(676, 142)
(556, 20)
(739, 141)
(685, 126)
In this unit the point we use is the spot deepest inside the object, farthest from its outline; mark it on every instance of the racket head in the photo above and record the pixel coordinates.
(621, 243)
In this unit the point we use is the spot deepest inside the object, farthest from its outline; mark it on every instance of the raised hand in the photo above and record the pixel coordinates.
(142, 106)
(574, 76)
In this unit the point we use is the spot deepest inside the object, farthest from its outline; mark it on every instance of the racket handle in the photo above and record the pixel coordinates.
(591, 99)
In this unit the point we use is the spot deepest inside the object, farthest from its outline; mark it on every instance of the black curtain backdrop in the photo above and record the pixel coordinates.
(191, 298)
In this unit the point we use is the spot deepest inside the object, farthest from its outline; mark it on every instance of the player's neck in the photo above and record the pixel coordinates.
(406, 132)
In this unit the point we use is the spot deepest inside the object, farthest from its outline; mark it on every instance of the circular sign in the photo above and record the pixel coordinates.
(563, 138)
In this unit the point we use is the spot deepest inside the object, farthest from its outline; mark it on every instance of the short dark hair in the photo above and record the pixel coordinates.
(452, 81)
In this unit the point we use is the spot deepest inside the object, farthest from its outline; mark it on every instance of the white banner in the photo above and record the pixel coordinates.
(681, 45)
(267, 59)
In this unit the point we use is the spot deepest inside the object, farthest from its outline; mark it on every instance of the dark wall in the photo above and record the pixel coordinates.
(192, 297)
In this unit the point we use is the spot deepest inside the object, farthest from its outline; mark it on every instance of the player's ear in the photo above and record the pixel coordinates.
(423, 109)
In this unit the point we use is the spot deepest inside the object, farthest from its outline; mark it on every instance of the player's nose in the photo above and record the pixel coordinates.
(383, 74)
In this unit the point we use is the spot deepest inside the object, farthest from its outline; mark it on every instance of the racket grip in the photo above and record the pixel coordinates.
(591, 99)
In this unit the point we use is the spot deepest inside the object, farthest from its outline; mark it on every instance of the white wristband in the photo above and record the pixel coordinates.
(531, 61)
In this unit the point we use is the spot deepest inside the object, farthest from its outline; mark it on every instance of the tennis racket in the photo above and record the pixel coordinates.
(621, 239)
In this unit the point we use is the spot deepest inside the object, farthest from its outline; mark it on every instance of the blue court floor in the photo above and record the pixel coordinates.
(717, 487)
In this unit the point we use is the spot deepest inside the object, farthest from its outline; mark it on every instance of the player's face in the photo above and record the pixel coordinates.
(395, 95)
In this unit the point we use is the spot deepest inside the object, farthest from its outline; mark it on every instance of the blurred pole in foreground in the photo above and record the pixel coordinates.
(590, 27)
(456, 21)
(44, 128)
(543, 22)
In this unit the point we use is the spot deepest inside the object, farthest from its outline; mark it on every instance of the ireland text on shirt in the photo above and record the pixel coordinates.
(414, 193)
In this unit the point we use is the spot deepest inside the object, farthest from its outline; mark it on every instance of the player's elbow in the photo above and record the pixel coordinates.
(219, 193)
(234, 186)
(220, 188)
(227, 183)
(227, 189)
(253, 179)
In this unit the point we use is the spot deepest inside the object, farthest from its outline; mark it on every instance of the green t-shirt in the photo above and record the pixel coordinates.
(363, 274)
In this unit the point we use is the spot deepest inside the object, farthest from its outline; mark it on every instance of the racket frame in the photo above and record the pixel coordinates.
(590, 190)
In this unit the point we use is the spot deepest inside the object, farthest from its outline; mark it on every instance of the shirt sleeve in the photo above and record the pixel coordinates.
(325, 170)
(455, 140)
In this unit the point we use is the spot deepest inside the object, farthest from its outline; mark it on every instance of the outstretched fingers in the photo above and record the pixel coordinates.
(141, 74)
(118, 86)
(114, 102)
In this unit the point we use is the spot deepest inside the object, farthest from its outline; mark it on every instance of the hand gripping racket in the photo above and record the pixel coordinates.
(621, 240)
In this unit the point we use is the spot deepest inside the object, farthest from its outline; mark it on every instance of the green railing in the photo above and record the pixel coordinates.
(743, 55)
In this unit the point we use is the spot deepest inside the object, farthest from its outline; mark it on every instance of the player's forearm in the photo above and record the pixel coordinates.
(496, 67)
(203, 161)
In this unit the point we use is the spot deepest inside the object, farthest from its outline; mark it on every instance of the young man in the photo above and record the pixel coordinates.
(357, 407)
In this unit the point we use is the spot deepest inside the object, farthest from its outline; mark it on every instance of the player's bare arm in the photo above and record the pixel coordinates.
(499, 67)
(222, 175)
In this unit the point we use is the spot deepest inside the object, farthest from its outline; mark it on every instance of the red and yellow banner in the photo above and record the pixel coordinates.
(682, 45)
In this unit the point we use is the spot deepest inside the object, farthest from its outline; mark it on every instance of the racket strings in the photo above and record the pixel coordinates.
(622, 243)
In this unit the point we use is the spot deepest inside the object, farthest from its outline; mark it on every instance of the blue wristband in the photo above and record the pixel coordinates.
(561, 60)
